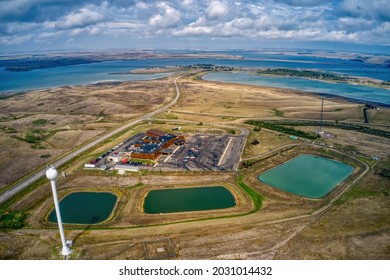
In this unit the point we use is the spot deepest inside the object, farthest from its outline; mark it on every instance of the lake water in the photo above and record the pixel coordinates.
(85, 208)
(307, 175)
(100, 72)
(358, 92)
(82, 74)
(188, 199)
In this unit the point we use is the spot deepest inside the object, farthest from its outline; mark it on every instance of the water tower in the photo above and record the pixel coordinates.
(51, 174)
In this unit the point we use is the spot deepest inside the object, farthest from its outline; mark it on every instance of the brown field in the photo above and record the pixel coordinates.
(356, 226)
(243, 101)
(73, 116)
(353, 141)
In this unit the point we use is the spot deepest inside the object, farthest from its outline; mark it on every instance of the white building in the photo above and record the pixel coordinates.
(126, 168)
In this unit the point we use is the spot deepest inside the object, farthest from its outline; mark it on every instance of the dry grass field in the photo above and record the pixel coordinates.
(221, 99)
(355, 226)
(38, 126)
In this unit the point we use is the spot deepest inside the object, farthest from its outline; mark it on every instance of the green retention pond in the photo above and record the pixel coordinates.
(188, 199)
(85, 208)
(307, 175)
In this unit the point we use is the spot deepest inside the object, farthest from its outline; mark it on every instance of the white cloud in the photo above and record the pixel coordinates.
(14, 7)
(354, 24)
(217, 9)
(243, 23)
(46, 37)
(383, 28)
(49, 24)
(16, 27)
(14, 40)
(83, 17)
(303, 3)
(77, 31)
(169, 17)
(142, 5)
(95, 31)
(187, 3)
(349, 20)
(339, 35)
(199, 22)
(123, 25)
(194, 30)
(378, 9)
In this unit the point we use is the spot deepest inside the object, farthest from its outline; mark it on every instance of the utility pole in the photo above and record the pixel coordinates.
(322, 115)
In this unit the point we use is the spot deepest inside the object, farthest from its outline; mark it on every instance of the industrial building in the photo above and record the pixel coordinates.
(154, 144)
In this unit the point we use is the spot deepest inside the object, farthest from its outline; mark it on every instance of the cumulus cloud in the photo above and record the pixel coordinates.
(303, 3)
(123, 25)
(363, 21)
(167, 18)
(187, 3)
(242, 23)
(80, 18)
(217, 9)
(15, 8)
(95, 31)
(142, 5)
(39, 10)
(77, 31)
(48, 36)
(377, 9)
(17, 27)
(14, 40)
(194, 30)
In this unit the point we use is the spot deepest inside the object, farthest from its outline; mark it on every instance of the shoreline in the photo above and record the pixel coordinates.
(29, 63)
(348, 79)
(9, 94)
(148, 71)
(298, 91)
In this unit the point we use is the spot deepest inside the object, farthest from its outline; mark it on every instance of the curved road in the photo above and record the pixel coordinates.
(40, 173)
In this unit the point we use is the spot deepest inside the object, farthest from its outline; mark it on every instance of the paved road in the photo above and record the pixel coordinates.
(40, 173)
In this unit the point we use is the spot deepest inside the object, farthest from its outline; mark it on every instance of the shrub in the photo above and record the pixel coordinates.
(39, 122)
(12, 220)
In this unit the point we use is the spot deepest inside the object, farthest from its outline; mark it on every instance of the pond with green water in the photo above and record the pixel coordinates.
(188, 199)
(307, 175)
(85, 208)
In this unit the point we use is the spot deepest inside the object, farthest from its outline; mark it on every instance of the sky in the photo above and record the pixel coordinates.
(37, 25)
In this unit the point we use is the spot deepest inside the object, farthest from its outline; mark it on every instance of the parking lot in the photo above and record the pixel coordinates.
(205, 152)
(200, 152)
(103, 161)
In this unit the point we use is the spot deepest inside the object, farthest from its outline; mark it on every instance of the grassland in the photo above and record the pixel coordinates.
(55, 121)
(267, 223)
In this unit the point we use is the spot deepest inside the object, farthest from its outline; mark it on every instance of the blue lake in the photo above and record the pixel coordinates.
(71, 75)
(101, 72)
(363, 93)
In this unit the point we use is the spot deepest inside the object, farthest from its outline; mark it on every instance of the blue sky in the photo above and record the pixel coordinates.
(31, 25)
